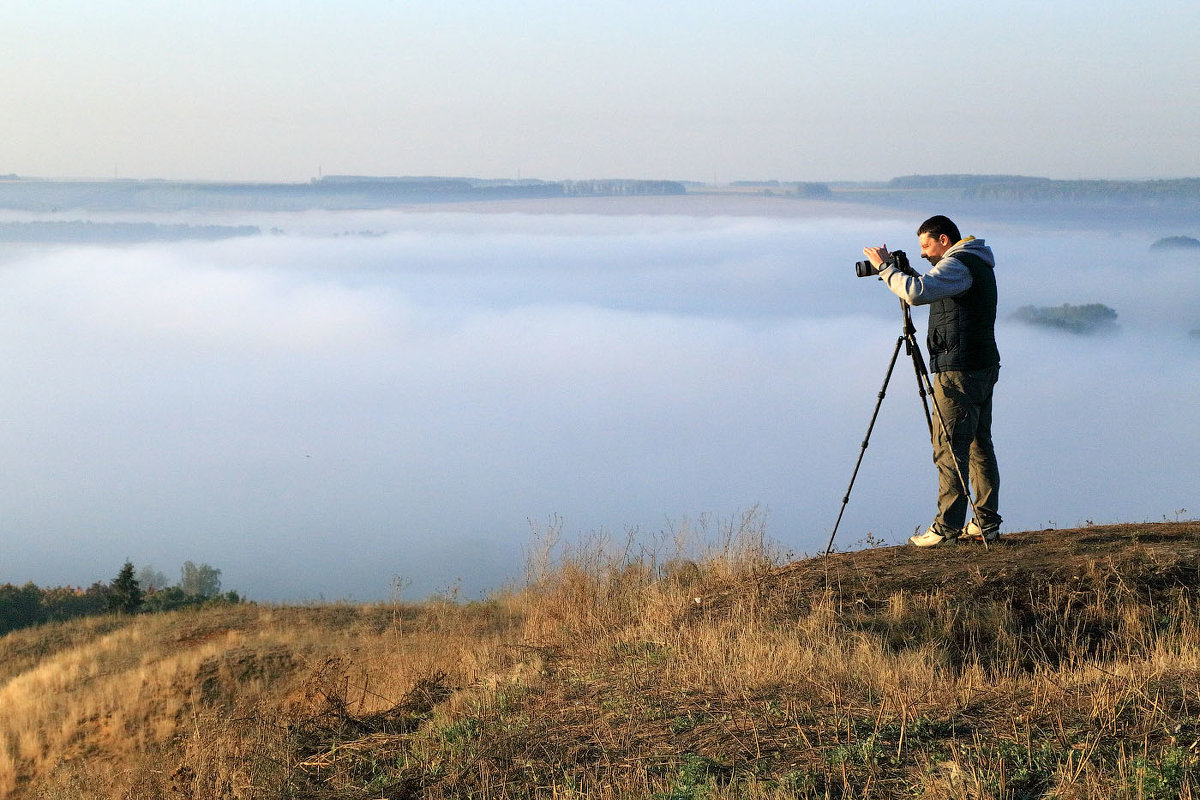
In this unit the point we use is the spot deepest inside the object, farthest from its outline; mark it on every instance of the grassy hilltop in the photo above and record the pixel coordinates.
(1060, 663)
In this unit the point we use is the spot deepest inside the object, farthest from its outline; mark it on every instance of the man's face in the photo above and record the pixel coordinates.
(932, 249)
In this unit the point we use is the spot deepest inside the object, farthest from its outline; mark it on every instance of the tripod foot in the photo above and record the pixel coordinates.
(975, 533)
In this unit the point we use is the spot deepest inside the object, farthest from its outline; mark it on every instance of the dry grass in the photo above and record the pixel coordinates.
(697, 666)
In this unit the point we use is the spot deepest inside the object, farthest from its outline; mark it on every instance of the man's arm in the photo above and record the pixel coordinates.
(947, 278)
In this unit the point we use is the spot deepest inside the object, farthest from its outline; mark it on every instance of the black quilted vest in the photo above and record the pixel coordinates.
(962, 329)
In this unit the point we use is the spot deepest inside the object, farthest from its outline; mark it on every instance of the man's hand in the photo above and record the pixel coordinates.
(877, 255)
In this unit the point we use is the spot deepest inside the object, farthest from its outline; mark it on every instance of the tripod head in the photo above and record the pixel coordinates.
(908, 330)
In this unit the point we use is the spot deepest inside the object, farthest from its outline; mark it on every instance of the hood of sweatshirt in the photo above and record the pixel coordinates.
(974, 247)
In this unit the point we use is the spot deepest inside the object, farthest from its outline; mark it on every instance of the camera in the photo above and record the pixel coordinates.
(864, 269)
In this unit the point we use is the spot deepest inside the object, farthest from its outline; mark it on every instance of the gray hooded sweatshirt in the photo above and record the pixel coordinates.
(960, 291)
(948, 278)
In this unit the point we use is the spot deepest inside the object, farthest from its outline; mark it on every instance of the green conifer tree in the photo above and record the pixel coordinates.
(126, 595)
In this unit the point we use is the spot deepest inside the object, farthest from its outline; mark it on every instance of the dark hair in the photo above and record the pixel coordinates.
(940, 226)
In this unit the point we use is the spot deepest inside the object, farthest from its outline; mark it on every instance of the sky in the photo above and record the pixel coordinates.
(328, 417)
(698, 90)
(318, 414)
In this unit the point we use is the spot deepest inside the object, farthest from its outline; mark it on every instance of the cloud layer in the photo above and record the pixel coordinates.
(317, 413)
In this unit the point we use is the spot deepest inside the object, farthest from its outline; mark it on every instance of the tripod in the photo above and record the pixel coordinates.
(908, 338)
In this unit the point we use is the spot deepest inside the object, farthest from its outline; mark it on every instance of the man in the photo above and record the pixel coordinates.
(960, 291)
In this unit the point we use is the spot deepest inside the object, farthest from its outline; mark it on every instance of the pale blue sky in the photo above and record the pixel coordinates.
(699, 90)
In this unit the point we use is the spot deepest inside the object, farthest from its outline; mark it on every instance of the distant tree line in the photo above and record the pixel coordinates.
(117, 232)
(608, 188)
(772, 184)
(344, 192)
(130, 592)
(333, 192)
(814, 191)
(957, 181)
(1016, 188)
(807, 190)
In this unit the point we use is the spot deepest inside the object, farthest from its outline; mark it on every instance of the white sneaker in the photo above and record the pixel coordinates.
(978, 534)
(931, 538)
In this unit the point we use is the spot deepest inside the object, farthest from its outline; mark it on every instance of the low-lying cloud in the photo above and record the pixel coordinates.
(318, 411)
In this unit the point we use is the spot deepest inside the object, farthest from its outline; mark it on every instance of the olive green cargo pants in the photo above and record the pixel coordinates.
(964, 400)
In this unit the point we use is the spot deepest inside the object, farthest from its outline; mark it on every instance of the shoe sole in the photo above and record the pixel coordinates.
(942, 543)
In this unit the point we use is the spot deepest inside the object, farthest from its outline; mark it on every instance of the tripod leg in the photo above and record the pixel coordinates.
(866, 440)
(919, 368)
(914, 350)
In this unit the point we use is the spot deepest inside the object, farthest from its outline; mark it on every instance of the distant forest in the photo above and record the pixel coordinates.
(333, 192)
(1015, 188)
(116, 232)
(347, 192)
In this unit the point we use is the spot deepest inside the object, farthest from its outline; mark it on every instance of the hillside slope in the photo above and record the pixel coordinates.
(1145, 557)
(1059, 663)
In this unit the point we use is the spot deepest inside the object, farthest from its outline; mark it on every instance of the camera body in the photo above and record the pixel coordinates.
(864, 269)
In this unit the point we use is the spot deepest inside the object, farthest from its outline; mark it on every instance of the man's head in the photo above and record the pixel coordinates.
(937, 235)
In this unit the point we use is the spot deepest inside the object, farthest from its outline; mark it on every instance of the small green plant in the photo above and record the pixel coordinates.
(686, 722)
(1163, 778)
(458, 733)
(803, 783)
(695, 780)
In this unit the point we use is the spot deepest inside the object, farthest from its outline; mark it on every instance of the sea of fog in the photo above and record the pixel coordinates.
(355, 402)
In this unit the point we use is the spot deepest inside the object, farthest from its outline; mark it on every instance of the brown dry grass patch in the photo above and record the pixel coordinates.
(1059, 664)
